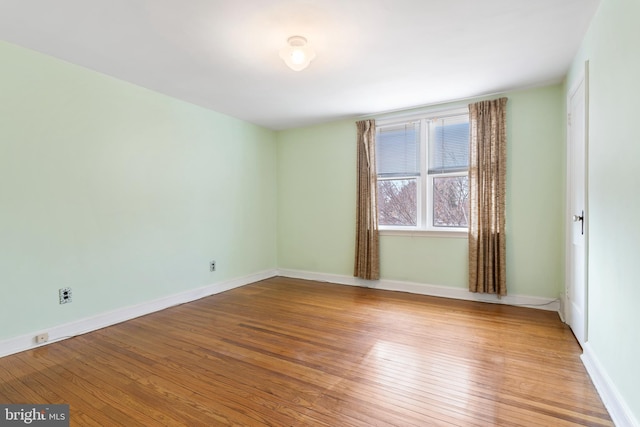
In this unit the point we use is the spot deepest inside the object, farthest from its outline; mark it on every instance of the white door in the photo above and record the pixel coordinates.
(576, 292)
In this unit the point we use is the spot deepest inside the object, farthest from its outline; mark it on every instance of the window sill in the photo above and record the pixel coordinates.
(423, 233)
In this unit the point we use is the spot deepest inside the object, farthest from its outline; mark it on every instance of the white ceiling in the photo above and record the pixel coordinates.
(372, 55)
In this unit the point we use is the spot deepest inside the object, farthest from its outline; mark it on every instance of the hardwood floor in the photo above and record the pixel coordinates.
(287, 352)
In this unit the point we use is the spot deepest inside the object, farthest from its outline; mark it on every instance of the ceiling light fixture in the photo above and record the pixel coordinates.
(297, 55)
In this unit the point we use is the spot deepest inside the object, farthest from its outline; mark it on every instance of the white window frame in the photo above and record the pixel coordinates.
(424, 186)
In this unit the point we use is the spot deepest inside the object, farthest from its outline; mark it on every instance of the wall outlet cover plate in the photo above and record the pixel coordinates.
(65, 295)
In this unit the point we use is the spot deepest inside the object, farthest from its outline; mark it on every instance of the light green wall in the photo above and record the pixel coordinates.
(612, 49)
(121, 193)
(535, 192)
(316, 198)
(316, 205)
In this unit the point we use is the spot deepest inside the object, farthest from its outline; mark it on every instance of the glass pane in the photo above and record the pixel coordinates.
(451, 201)
(398, 150)
(397, 202)
(449, 144)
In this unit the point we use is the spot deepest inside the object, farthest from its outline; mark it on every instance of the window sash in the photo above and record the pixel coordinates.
(425, 175)
(431, 201)
(385, 210)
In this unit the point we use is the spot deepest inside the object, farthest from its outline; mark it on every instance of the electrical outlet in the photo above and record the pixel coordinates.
(42, 338)
(65, 295)
(212, 266)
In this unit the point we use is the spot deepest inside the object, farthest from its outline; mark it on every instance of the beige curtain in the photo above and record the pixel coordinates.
(487, 190)
(367, 263)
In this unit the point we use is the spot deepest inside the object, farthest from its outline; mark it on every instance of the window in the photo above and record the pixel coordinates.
(423, 172)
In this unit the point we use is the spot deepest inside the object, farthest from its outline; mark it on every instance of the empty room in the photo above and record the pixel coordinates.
(319, 213)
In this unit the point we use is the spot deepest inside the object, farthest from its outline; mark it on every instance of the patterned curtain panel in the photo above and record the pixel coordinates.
(367, 262)
(487, 190)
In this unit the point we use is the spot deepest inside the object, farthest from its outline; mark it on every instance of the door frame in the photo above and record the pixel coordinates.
(583, 78)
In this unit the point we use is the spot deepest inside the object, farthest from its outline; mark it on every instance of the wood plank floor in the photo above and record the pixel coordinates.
(287, 352)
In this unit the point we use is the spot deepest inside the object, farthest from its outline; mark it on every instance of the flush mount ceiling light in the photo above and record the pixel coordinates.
(297, 55)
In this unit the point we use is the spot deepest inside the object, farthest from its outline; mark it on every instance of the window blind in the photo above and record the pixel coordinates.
(398, 150)
(449, 144)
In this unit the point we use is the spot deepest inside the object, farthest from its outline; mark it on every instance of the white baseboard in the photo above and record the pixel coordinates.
(613, 401)
(619, 411)
(85, 325)
(562, 300)
(426, 289)
(102, 320)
